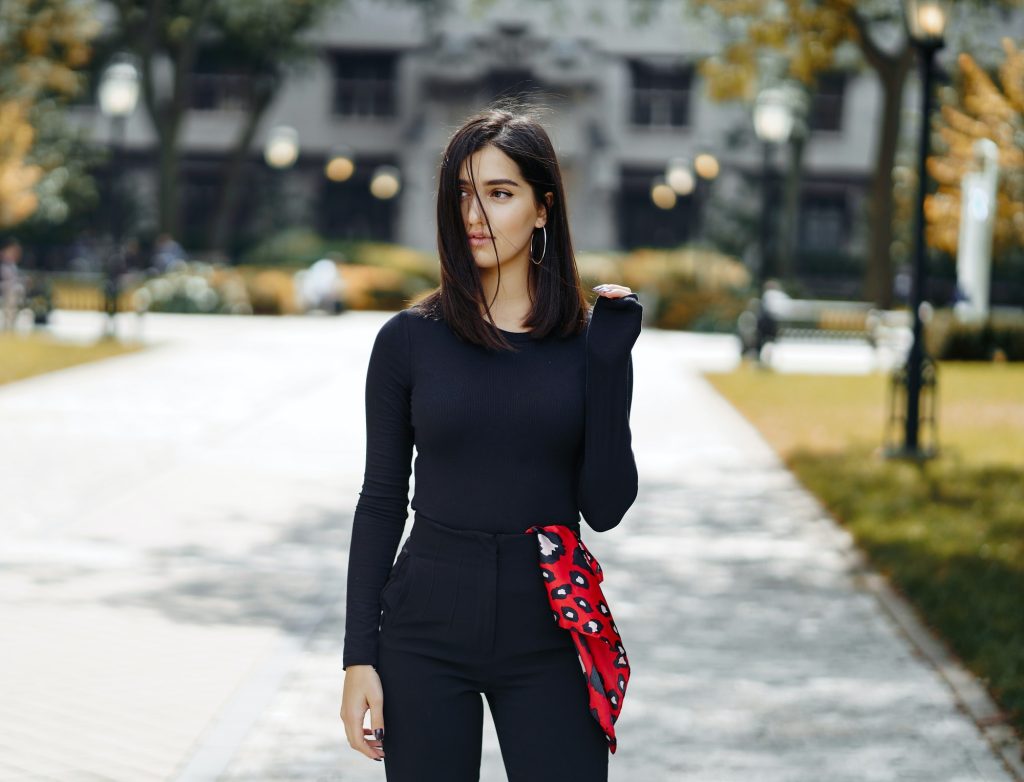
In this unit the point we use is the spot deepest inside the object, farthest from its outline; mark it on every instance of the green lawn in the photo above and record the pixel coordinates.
(23, 356)
(949, 534)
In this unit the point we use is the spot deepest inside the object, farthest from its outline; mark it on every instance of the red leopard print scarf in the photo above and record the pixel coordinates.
(573, 576)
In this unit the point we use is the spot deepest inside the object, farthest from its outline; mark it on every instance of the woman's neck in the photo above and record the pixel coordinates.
(511, 306)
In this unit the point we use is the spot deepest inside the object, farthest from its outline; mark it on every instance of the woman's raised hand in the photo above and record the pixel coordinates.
(363, 691)
(614, 325)
(612, 291)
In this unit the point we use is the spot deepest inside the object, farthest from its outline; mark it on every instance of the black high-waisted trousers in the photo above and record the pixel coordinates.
(465, 613)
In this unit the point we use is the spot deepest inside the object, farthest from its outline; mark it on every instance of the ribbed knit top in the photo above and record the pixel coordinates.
(503, 440)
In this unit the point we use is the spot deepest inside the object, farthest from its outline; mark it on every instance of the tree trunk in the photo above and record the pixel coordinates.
(168, 153)
(227, 202)
(166, 114)
(892, 74)
(878, 269)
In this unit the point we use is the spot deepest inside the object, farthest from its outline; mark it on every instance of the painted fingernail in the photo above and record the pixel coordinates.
(599, 287)
(378, 733)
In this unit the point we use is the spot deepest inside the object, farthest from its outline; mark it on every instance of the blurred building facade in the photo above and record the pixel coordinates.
(391, 85)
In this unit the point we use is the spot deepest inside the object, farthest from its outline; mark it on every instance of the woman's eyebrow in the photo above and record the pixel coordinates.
(493, 182)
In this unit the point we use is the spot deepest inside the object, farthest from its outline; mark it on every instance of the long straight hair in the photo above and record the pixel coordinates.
(559, 306)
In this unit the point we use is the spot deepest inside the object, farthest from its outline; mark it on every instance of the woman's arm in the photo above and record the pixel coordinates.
(608, 475)
(381, 512)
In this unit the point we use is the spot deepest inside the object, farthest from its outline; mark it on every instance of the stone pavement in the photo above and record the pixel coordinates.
(176, 526)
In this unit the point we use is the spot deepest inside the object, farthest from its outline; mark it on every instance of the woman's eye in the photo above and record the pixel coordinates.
(463, 193)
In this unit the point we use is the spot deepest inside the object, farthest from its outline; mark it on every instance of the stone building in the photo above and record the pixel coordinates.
(623, 100)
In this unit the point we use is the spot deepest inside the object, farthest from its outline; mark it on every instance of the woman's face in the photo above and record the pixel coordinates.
(511, 208)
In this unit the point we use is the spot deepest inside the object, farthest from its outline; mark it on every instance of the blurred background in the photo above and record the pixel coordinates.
(253, 139)
(208, 207)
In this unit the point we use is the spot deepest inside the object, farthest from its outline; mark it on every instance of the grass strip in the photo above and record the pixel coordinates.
(27, 355)
(949, 534)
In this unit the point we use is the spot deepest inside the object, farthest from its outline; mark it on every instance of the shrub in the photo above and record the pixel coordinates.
(686, 288)
(948, 339)
(194, 287)
(294, 247)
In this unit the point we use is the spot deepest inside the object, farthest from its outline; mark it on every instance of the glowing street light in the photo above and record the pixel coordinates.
(386, 182)
(118, 92)
(679, 176)
(281, 149)
(706, 165)
(340, 165)
(662, 194)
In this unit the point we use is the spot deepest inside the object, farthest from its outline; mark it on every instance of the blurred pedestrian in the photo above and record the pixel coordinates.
(167, 253)
(12, 288)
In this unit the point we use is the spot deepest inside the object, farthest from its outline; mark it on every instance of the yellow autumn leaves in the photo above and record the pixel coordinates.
(41, 47)
(805, 35)
(985, 110)
(17, 178)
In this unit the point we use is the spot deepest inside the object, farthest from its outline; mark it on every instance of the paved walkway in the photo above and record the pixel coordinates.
(175, 531)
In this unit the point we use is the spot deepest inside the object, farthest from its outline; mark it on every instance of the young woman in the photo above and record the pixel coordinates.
(517, 397)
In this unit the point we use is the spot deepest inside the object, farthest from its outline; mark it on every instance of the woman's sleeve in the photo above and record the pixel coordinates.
(608, 475)
(380, 514)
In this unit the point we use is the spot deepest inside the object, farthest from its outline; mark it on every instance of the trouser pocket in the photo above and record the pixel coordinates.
(393, 592)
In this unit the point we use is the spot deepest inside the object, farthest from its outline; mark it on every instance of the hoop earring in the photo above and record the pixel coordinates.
(545, 230)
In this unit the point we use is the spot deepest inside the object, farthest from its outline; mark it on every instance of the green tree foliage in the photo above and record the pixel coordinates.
(260, 38)
(983, 107)
(807, 36)
(43, 47)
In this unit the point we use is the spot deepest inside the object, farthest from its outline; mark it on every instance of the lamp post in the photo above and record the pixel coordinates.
(773, 123)
(280, 151)
(926, 25)
(118, 94)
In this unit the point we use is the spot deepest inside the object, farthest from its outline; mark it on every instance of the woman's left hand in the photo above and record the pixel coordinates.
(612, 291)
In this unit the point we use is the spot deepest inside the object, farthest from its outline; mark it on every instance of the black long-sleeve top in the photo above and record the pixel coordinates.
(503, 440)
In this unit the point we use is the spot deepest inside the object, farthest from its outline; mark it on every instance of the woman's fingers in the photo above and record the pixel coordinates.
(377, 724)
(611, 290)
(354, 731)
(363, 692)
(374, 743)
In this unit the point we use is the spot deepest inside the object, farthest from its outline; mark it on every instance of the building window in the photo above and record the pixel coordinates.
(218, 85)
(364, 84)
(824, 222)
(348, 210)
(641, 222)
(660, 94)
(827, 103)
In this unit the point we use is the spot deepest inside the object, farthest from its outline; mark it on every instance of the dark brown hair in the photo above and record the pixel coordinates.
(559, 306)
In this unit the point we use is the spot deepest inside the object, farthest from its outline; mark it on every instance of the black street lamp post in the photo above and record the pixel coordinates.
(281, 151)
(118, 94)
(926, 22)
(773, 123)
(764, 268)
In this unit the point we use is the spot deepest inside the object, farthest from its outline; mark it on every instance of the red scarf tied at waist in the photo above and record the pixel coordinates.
(573, 576)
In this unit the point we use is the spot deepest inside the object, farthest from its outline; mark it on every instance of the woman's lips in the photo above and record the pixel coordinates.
(479, 241)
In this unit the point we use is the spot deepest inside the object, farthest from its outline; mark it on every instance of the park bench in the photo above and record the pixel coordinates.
(778, 317)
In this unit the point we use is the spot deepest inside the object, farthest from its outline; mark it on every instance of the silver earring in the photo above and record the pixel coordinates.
(545, 230)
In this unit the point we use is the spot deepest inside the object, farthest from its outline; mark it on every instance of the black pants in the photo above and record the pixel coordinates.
(465, 613)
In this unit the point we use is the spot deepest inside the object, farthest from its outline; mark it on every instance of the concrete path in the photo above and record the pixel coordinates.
(175, 531)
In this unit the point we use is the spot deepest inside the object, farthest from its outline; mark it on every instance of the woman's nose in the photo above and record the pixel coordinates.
(472, 210)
